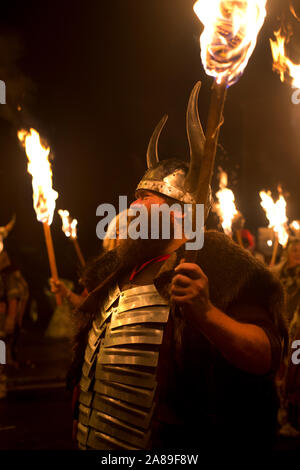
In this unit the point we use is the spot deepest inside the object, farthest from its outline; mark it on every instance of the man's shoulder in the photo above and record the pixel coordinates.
(222, 252)
(233, 272)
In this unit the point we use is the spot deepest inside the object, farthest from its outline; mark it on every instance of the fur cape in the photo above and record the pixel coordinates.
(234, 275)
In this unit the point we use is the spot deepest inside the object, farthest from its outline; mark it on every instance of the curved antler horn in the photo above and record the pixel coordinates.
(152, 152)
(10, 224)
(196, 139)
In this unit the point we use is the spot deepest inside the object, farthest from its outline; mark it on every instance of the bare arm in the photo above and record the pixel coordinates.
(58, 287)
(244, 345)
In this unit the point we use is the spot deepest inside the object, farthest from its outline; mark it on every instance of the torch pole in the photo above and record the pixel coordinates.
(239, 238)
(78, 252)
(275, 250)
(214, 123)
(51, 257)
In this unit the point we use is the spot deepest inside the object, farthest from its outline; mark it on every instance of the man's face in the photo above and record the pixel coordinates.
(153, 201)
(138, 250)
(294, 255)
(148, 198)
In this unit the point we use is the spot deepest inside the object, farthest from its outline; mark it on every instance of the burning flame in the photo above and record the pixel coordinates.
(276, 214)
(230, 33)
(295, 226)
(3, 235)
(68, 224)
(281, 63)
(225, 209)
(39, 167)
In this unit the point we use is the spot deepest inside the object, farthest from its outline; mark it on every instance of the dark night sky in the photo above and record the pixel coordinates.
(94, 77)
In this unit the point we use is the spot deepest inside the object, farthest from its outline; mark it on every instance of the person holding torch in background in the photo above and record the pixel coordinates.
(109, 243)
(288, 380)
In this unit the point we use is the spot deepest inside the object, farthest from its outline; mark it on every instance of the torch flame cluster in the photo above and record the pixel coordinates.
(295, 227)
(39, 167)
(225, 208)
(276, 214)
(230, 33)
(69, 225)
(281, 63)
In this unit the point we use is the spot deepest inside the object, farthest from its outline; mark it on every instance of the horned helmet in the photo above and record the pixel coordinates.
(175, 178)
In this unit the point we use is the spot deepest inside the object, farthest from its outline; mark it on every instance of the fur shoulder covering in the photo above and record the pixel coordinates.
(234, 274)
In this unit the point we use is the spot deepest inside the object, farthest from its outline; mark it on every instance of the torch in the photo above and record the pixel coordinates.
(295, 228)
(225, 207)
(286, 69)
(44, 196)
(276, 214)
(228, 40)
(69, 227)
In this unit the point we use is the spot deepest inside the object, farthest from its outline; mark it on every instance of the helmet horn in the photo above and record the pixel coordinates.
(10, 224)
(152, 151)
(196, 140)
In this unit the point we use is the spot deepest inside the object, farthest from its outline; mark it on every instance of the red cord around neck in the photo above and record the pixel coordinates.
(153, 260)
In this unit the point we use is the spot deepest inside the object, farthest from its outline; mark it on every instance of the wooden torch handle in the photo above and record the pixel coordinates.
(275, 249)
(51, 257)
(78, 251)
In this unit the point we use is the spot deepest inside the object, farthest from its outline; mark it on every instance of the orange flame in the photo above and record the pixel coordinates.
(69, 225)
(39, 167)
(225, 209)
(3, 234)
(295, 227)
(281, 63)
(230, 33)
(276, 215)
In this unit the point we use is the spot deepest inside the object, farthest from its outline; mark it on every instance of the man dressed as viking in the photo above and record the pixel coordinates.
(172, 354)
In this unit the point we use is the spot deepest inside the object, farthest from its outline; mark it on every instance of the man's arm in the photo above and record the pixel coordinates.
(244, 345)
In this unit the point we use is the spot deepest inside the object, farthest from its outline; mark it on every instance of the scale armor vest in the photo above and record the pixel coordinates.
(118, 383)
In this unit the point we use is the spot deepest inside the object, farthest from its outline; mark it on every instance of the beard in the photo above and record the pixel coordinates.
(133, 252)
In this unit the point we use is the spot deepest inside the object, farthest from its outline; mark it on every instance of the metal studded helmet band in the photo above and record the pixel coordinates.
(168, 177)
